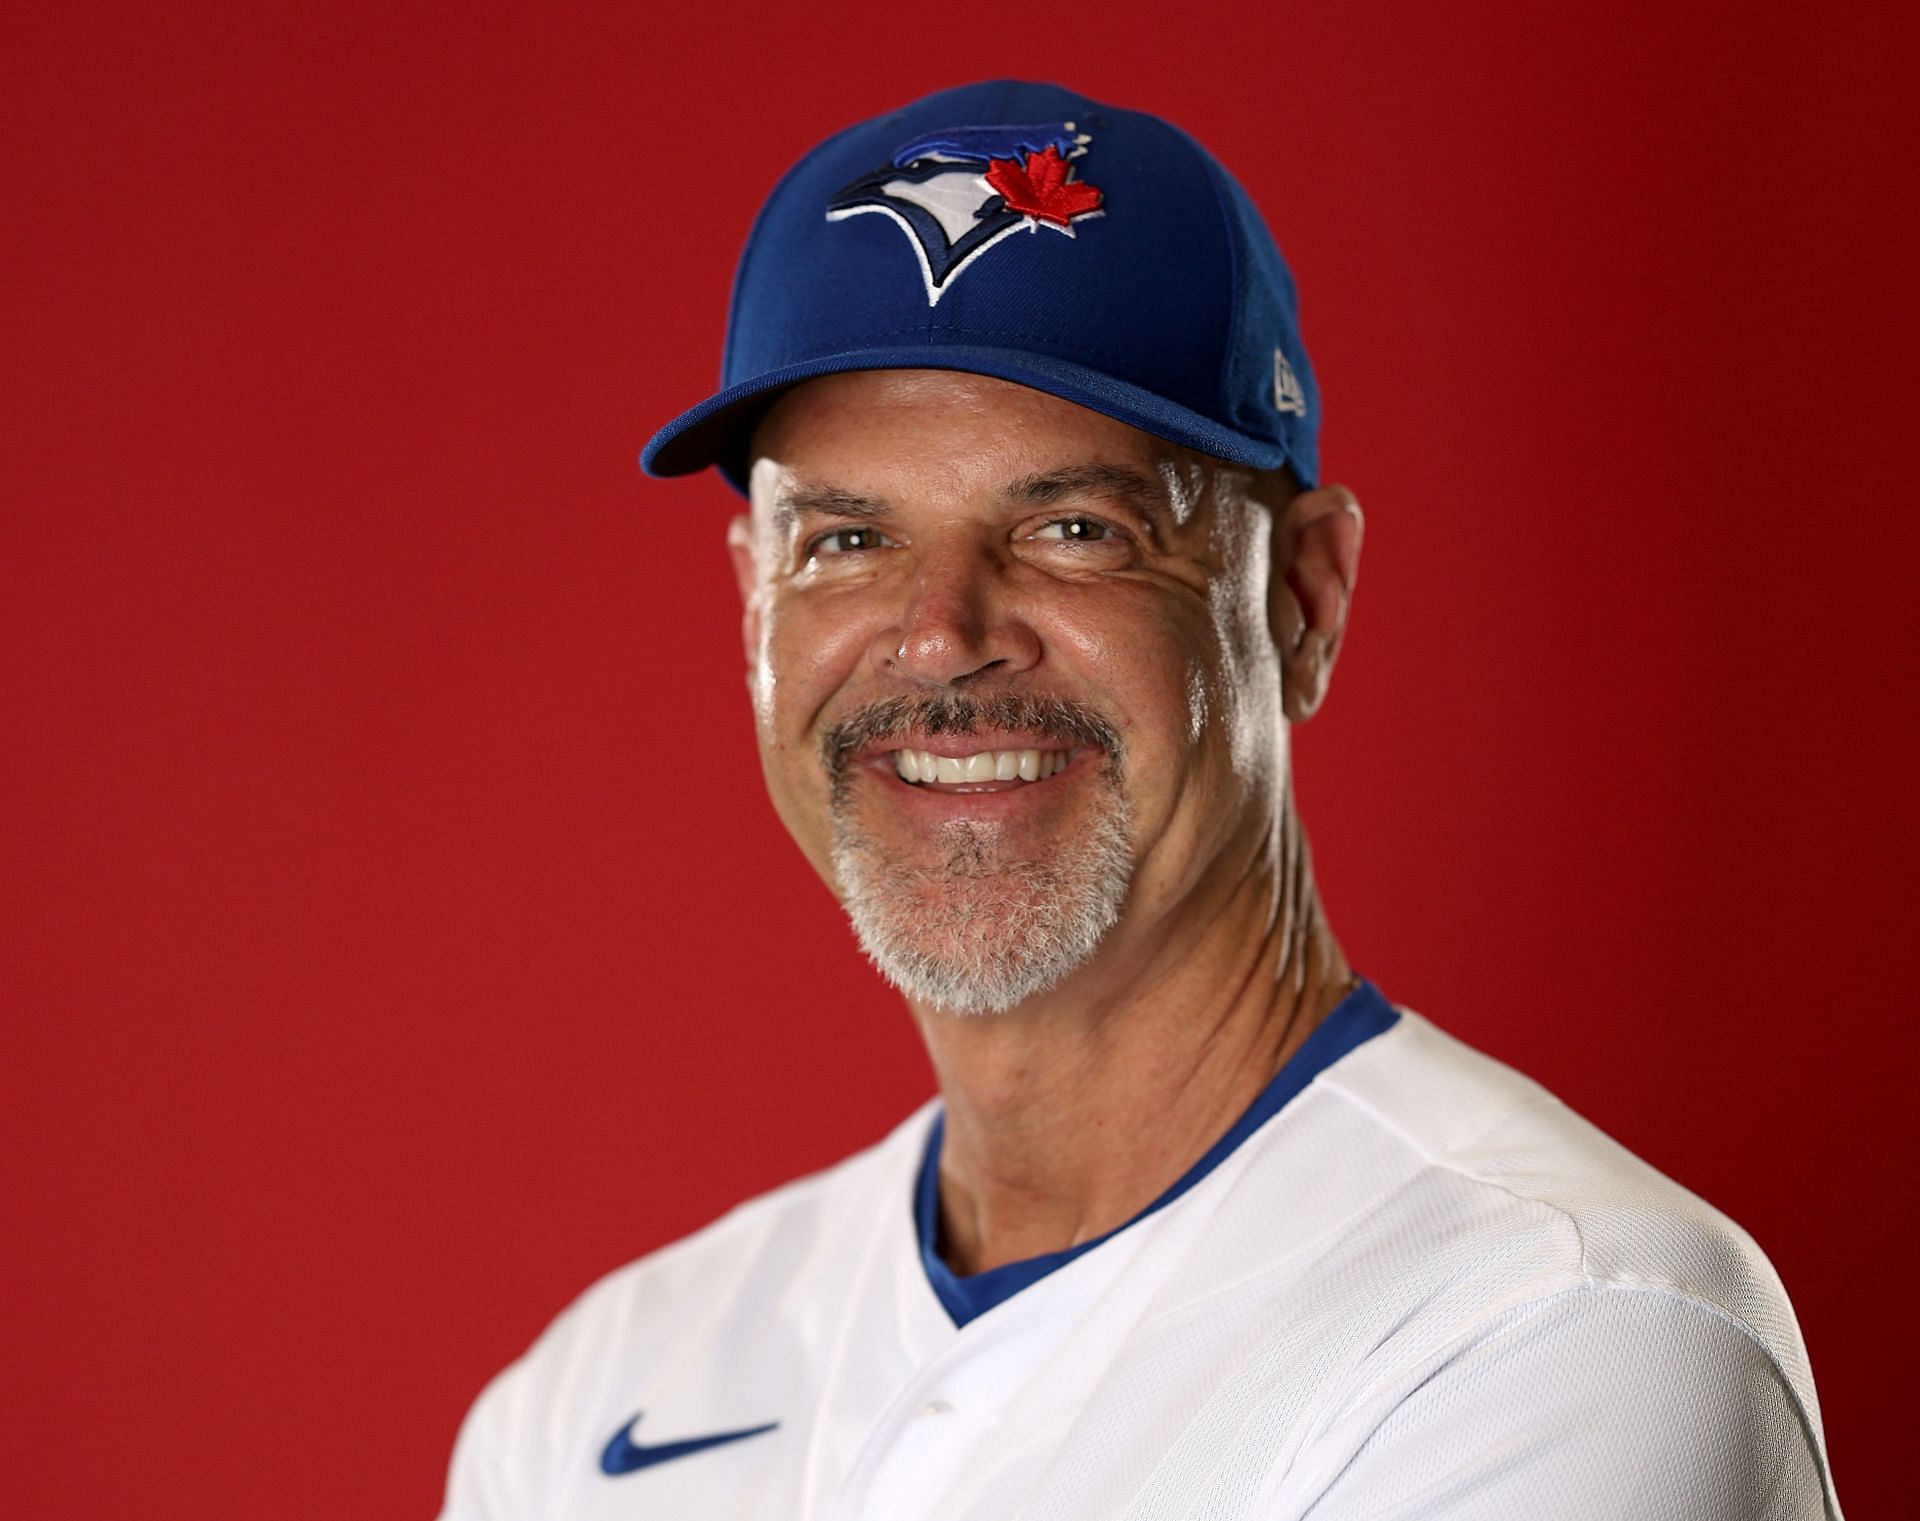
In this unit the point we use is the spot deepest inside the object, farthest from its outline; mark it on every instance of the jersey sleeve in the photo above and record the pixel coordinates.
(1599, 1404)
(481, 1479)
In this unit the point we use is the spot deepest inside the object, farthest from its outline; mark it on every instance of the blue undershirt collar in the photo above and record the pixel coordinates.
(1356, 1019)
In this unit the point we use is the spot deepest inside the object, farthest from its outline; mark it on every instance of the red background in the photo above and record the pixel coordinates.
(396, 935)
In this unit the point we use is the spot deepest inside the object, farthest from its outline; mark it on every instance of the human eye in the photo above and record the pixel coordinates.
(841, 541)
(1077, 528)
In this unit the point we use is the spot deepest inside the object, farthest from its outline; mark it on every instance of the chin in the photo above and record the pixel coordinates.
(978, 934)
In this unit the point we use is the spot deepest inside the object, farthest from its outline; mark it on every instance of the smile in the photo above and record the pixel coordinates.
(923, 766)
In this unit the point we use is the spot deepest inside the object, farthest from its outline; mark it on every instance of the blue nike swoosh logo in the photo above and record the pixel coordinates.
(624, 1455)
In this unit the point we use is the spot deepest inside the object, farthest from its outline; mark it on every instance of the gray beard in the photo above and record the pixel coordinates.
(981, 934)
(984, 931)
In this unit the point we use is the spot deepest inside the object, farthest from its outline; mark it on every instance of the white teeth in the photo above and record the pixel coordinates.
(983, 766)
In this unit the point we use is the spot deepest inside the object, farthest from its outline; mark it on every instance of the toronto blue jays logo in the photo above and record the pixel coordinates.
(958, 192)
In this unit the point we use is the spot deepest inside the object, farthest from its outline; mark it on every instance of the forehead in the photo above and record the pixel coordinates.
(912, 432)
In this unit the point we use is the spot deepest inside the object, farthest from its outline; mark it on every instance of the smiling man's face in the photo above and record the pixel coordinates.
(1014, 689)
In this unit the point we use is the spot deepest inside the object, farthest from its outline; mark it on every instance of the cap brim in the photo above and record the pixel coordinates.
(717, 432)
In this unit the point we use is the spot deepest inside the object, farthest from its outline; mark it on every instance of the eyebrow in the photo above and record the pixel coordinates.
(1143, 495)
(821, 502)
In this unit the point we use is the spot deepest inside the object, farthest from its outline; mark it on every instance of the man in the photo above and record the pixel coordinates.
(1037, 574)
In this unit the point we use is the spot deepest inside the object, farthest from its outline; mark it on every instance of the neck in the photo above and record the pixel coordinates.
(1067, 1118)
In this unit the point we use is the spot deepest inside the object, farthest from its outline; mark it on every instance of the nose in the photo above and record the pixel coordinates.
(958, 621)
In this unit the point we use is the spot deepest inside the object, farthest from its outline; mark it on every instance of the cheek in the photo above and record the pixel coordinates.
(807, 657)
(807, 654)
(1148, 660)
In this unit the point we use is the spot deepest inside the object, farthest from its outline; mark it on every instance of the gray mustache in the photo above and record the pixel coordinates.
(1053, 717)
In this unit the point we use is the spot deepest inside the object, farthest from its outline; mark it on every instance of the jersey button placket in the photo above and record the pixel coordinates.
(922, 1456)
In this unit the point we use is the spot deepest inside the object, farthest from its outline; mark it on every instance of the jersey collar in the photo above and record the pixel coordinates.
(1356, 1019)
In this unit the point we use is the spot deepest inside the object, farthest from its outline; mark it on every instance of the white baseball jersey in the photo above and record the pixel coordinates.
(1410, 1284)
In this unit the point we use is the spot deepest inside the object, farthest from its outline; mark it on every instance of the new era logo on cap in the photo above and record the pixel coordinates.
(1288, 395)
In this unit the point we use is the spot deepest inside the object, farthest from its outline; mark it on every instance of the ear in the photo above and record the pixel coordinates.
(1316, 561)
(746, 572)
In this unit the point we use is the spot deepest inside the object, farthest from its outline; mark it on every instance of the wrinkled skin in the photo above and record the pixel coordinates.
(921, 538)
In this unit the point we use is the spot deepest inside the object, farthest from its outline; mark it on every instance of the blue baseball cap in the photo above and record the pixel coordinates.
(1026, 232)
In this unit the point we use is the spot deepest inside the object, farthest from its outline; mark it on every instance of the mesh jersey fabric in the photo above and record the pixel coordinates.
(1423, 1289)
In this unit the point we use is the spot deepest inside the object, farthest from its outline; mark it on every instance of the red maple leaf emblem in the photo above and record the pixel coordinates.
(1041, 189)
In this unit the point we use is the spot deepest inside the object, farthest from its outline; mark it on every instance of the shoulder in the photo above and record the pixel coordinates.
(1476, 1125)
(1594, 1402)
(766, 1242)
(718, 1282)
(770, 1240)
(1560, 1278)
